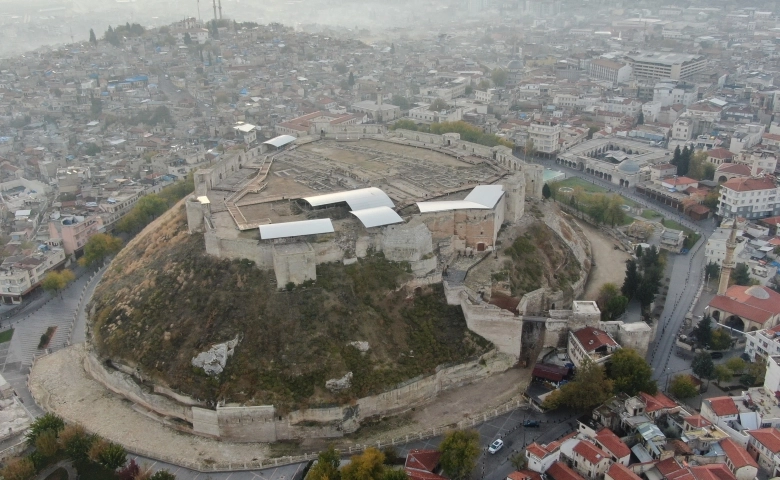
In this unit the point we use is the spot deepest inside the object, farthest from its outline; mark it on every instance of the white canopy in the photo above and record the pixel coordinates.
(378, 216)
(280, 141)
(360, 199)
(295, 229)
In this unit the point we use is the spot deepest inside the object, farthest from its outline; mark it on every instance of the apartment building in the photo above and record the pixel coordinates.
(546, 138)
(658, 65)
(751, 198)
(21, 275)
(74, 231)
(610, 71)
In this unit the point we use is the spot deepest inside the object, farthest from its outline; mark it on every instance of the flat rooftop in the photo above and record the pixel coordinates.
(664, 58)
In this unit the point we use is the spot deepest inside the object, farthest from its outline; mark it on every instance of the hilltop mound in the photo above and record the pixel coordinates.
(164, 301)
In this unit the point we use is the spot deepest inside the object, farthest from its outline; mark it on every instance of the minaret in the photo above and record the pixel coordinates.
(728, 262)
(220, 9)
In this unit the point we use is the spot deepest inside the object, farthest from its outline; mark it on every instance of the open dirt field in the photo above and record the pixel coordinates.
(609, 265)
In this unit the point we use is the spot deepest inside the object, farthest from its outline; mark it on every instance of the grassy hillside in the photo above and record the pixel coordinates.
(164, 300)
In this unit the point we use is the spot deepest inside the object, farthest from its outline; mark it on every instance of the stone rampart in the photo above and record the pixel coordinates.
(502, 327)
(263, 424)
(239, 248)
(635, 335)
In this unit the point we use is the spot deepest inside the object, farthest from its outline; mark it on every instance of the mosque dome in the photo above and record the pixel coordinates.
(628, 166)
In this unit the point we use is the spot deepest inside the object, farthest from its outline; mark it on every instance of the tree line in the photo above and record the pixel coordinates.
(643, 276)
(51, 440)
(151, 206)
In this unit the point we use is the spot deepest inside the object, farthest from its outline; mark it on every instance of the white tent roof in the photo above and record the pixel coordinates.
(487, 195)
(244, 127)
(482, 197)
(378, 216)
(360, 199)
(280, 141)
(295, 229)
(427, 207)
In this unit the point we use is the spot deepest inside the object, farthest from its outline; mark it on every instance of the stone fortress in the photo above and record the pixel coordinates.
(434, 201)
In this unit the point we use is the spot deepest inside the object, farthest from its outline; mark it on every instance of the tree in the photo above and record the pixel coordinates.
(518, 461)
(438, 105)
(499, 77)
(736, 365)
(640, 120)
(351, 79)
(712, 270)
(703, 330)
(18, 469)
(682, 387)
(530, 149)
(630, 373)
(98, 247)
(92, 37)
(702, 366)
(55, 282)
(76, 442)
(129, 471)
(469, 90)
(47, 422)
(112, 456)
(327, 466)
(633, 279)
(723, 373)
(721, 340)
(639, 251)
(152, 206)
(96, 106)
(46, 443)
(187, 38)
(459, 453)
(404, 124)
(112, 37)
(162, 475)
(546, 193)
(91, 149)
(645, 293)
(712, 198)
(341, 68)
(369, 465)
(400, 102)
(741, 274)
(590, 387)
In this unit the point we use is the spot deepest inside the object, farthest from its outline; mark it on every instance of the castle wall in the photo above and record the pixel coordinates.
(294, 263)
(206, 178)
(635, 335)
(195, 212)
(410, 242)
(495, 324)
(240, 248)
(534, 180)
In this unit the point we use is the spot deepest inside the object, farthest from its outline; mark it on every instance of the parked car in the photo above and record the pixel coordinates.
(716, 355)
(531, 423)
(497, 445)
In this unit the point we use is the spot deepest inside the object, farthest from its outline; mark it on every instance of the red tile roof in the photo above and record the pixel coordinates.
(536, 450)
(618, 471)
(422, 459)
(737, 454)
(715, 471)
(592, 338)
(524, 475)
(422, 475)
(768, 437)
(611, 442)
(720, 153)
(749, 184)
(657, 402)
(743, 302)
(723, 406)
(680, 181)
(668, 466)
(734, 169)
(697, 421)
(559, 471)
(591, 453)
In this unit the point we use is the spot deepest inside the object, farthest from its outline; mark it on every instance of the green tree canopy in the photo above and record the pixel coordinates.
(736, 364)
(499, 77)
(546, 193)
(369, 465)
(632, 280)
(55, 281)
(18, 469)
(702, 366)
(682, 387)
(741, 274)
(589, 388)
(98, 247)
(459, 453)
(721, 340)
(703, 330)
(470, 133)
(44, 423)
(723, 373)
(327, 466)
(712, 270)
(438, 105)
(630, 373)
(162, 475)
(400, 102)
(92, 37)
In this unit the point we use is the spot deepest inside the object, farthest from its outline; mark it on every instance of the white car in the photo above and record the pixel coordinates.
(495, 446)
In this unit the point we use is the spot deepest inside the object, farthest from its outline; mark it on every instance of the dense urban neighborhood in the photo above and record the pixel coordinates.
(489, 239)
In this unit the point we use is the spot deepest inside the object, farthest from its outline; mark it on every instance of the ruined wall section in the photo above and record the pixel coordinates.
(501, 327)
(239, 248)
(636, 335)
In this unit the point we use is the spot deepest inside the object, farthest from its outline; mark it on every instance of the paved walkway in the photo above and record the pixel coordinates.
(66, 464)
